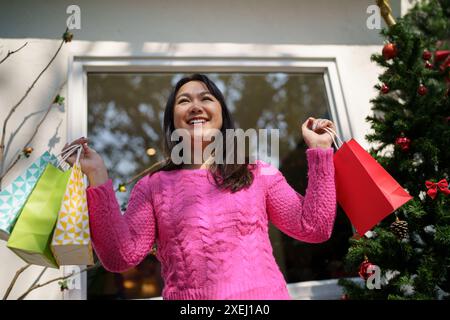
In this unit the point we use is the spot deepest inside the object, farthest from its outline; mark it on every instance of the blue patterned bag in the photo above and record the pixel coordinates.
(14, 196)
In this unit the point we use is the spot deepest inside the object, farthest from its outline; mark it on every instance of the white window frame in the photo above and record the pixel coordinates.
(79, 66)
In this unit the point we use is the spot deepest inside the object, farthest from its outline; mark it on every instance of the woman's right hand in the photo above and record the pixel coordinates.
(91, 163)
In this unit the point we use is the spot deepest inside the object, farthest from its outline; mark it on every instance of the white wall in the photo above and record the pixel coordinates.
(320, 28)
(238, 21)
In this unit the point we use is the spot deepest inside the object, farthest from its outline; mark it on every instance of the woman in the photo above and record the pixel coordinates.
(211, 234)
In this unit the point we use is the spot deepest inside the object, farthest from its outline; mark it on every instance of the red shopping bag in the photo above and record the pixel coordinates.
(364, 189)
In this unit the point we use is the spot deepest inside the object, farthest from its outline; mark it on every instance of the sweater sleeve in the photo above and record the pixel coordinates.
(121, 241)
(308, 218)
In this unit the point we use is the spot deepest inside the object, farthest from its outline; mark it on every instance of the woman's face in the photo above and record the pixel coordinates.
(195, 107)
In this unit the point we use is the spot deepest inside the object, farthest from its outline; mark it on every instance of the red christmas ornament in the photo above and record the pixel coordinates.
(384, 88)
(345, 297)
(389, 51)
(445, 64)
(363, 269)
(422, 90)
(427, 55)
(403, 142)
(440, 55)
(428, 65)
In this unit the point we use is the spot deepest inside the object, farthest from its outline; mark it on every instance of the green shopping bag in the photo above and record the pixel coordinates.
(14, 196)
(32, 234)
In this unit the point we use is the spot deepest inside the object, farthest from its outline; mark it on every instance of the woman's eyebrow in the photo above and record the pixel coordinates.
(189, 96)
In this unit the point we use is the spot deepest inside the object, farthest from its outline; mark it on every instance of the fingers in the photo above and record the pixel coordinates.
(79, 141)
(317, 125)
(329, 124)
(308, 123)
(86, 149)
(323, 123)
(70, 151)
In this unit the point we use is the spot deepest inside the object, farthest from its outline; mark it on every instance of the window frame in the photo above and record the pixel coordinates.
(81, 65)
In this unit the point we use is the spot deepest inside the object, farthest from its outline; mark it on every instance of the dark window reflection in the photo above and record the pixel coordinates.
(125, 127)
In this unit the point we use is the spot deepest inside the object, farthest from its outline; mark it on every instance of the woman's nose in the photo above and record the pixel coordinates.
(195, 108)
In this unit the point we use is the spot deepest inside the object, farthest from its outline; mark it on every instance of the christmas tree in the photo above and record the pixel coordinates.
(410, 138)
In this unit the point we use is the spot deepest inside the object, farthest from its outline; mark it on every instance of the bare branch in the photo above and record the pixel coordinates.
(38, 278)
(13, 109)
(9, 168)
(18, 129)
(2, 175)
(36, 286)
(13, 282)
(26, 144)
(10, 53)
(25, 119)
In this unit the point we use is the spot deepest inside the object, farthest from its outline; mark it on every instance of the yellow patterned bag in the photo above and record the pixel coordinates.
(71, 243)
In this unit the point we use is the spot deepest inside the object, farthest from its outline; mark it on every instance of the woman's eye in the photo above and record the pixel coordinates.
(182, 101)
(207, 98)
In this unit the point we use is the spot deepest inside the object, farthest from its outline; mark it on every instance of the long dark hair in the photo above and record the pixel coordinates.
(230, 176)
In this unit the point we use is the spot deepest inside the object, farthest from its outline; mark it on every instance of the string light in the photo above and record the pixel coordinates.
(151, 151)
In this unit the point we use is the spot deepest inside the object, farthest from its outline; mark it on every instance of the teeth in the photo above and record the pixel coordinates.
(196, 121)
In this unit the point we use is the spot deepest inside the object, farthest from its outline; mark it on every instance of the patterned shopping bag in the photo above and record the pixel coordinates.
(14, 196)
(32, 234)
(71, 244)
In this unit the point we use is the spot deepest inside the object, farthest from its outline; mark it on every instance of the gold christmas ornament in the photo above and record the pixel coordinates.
(386, 12)
(122, 188)
(27, 151)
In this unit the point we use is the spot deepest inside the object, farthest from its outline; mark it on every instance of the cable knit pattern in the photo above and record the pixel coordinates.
(213, 244)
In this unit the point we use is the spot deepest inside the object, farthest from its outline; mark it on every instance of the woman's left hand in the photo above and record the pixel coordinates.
(314, 134)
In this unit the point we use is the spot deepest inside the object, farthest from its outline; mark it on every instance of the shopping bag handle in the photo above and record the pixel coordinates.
(66, 153)
(69, 149)
(333, 134)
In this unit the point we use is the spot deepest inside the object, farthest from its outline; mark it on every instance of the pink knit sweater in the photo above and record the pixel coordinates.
(213, 244)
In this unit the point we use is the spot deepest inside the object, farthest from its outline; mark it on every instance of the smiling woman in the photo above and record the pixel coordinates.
(217, 223)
